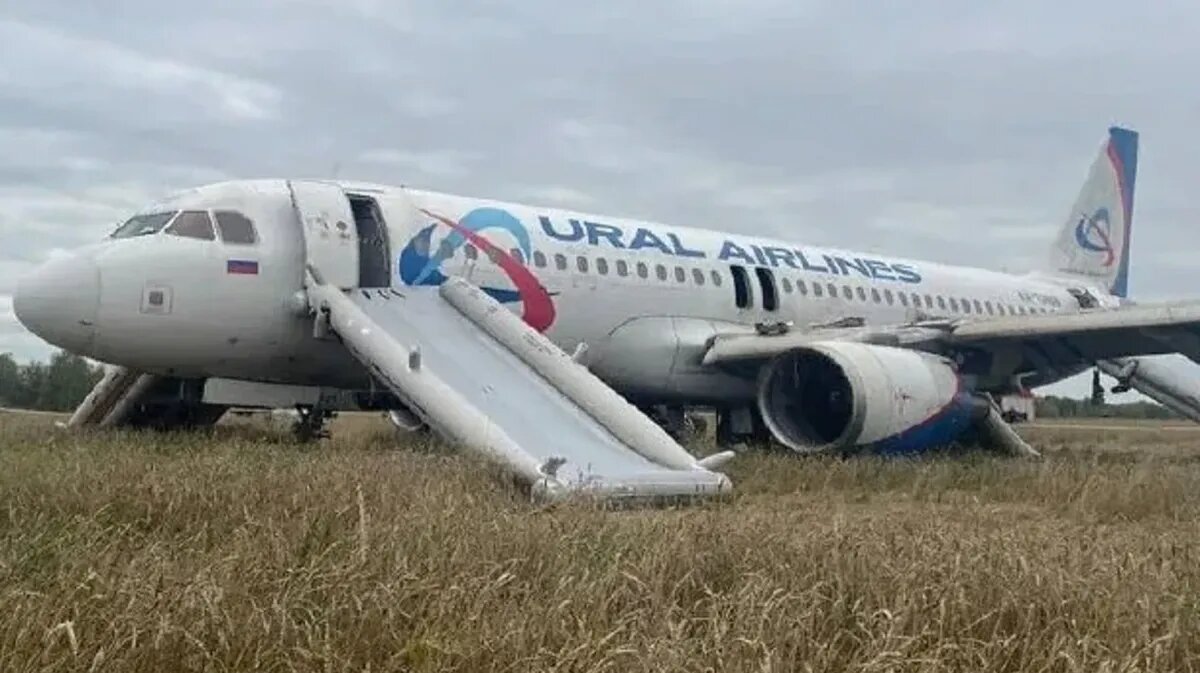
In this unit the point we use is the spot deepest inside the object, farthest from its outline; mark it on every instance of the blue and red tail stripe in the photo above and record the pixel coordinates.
(1122, 152)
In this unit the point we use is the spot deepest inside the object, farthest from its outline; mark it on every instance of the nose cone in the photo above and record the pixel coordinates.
(59, 301)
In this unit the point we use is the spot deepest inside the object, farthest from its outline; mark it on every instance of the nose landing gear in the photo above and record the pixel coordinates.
(311, 423)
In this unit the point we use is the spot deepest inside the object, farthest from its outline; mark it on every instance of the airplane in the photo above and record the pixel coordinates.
(289, 293)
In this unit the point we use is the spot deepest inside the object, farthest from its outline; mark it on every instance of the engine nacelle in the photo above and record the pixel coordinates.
(835, 396)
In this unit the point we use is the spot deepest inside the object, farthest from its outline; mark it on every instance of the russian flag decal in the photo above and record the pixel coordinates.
(242, 266)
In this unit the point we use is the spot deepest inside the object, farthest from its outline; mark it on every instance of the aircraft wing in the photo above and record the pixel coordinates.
(1045, 340)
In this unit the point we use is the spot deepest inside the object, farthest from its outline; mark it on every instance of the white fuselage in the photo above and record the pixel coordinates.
(644, 297)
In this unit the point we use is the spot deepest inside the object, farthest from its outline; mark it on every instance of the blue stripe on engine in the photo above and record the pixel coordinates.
(939, 429)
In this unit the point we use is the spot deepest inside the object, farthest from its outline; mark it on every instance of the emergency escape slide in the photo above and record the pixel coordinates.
(483, 379)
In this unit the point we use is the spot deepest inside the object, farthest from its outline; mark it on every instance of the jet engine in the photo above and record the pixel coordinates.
(843, 396)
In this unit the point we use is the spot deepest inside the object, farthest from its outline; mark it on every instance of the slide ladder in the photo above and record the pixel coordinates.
(1171, 380)
(111, 399)
(483, 379)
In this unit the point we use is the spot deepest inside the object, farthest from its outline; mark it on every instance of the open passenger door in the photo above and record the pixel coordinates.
(330, 235)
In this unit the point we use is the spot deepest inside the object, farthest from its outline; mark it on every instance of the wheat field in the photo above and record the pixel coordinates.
(240, 550)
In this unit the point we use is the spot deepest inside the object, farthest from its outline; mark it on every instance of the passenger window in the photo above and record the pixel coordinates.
(698, 276)
(622, 268)
(903, 299)
(539, 259)
(802, 287)
(517, 255)
(560, 261)
(988, 306)
(848, 292)
(716, 277)
(953, 304)
(875, 295)
(643, 272)
(581, 264)
(470, 251)
(661, 272)
(941, 302)
(977, 305)
(887, 296)
(832, 290)
(602, 266)
(929, 302)
(787, 286)
(680, 275)
(862, 294)
(741, 287)
(235, 227)
(966, 306)
(192, 224)
(817, 290)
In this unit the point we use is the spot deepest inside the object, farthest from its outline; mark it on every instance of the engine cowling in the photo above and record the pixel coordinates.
(838, 396)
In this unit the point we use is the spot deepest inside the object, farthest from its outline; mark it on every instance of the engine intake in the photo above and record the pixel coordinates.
(838, 396)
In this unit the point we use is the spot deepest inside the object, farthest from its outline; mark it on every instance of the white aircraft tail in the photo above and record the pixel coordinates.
(1094, 241)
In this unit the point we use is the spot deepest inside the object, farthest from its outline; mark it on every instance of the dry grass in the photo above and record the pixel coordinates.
(239, 550)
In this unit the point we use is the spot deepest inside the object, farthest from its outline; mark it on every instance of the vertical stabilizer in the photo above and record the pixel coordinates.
(1094, 241)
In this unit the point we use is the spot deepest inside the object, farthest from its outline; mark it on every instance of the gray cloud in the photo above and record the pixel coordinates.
(953, 131)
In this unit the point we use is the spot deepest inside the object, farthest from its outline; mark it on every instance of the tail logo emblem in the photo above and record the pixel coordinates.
(1094, 233)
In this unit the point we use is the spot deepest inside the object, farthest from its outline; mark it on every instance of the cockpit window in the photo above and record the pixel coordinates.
(235, 227)
(192, 224)
(141, 225)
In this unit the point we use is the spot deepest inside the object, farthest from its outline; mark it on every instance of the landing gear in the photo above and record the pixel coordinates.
(1097, 388)
(741, 425)
(311, 422)
(174, 415)
(670, 418)
(173, 404)
(679, 423)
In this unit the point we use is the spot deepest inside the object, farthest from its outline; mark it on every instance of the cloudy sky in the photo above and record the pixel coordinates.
(948, 130)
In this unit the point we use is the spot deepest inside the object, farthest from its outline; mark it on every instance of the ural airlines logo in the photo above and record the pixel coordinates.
(1094, 233)
(420, 264)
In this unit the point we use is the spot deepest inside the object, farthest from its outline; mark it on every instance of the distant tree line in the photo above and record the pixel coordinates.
(1064, 407)
(59, 385)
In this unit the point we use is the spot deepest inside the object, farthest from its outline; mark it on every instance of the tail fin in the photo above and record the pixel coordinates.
(1094, 241)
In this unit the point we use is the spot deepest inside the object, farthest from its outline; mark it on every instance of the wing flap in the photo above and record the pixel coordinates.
(1082, 338)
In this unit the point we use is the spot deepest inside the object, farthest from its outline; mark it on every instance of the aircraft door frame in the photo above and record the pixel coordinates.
(326, 222)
